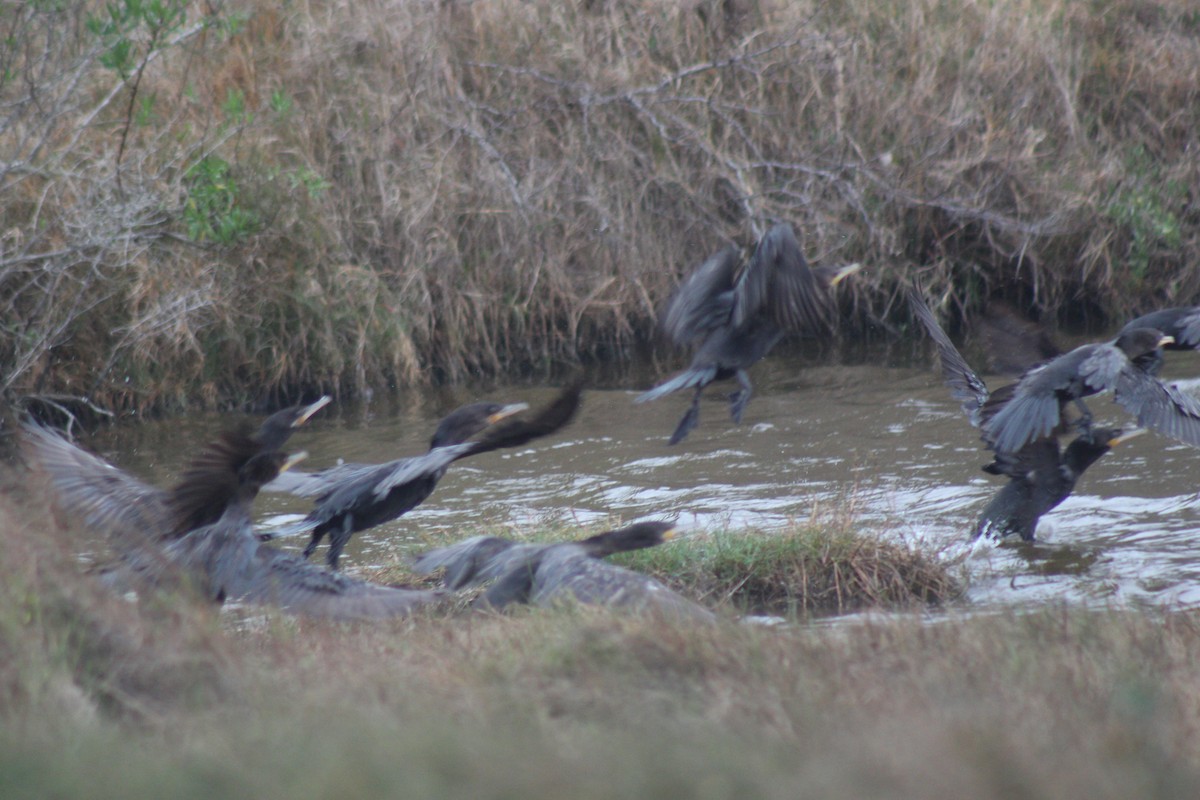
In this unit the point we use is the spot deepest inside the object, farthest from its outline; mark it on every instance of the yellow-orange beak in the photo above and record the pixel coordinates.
(293, 460)
(314, 408)
(845, 272)
(506, 412)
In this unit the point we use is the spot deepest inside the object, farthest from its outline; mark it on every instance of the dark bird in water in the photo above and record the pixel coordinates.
(544, 574)
(1182, 324)
(225, 561)
(735, 317)
(354, 497)
(1040, 478)
(129, 511)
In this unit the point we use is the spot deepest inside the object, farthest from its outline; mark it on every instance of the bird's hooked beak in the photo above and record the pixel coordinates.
(1125, 437)
(845, 272)
(293, 460)
(670, 533)
(1166, 339)
(314, 408)
(507, 411)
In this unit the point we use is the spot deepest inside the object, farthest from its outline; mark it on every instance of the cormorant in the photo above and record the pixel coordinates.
(354, 497)
(480, 559)
(544, 574)
(1032, 408)
(225, 561)
(1041, 476)
(1181, 323)
(1040, 479)
(129, 511)
(736, 318)
(1035, 408)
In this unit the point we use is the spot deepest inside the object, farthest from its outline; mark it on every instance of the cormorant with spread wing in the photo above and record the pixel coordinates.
(1035, 408)
(1041, 476)
(129, 511)
(735, 317)
(225, 561)
(354, 497)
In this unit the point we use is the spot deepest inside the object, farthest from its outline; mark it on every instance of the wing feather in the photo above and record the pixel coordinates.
(704, 300)
(777, 278)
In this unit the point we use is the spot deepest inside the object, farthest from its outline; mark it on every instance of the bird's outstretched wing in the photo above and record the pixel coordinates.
(512, 432)
(965, 386)
(777, 278)
(703, 301)
(1035, 409)
(107, 499)
(1160, 406)
(315, 484)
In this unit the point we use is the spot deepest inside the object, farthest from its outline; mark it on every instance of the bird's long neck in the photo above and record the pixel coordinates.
(601, 545)
(619, 541)
(1079, 458)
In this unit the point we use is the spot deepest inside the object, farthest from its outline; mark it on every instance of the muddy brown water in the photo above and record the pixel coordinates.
(883, 440)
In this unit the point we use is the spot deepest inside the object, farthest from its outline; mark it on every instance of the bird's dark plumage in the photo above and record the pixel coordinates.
(354, 497)
(1182, 324)
(1040, 478)
(1035, 409)
(225, 561)
(543, 574)
(129, 511)
(479, 559)
(735, 317)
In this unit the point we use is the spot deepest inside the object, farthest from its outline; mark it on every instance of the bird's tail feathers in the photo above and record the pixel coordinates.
(688, 379)
(299, 528)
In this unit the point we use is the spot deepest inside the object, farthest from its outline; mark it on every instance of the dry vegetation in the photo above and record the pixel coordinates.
(208, 203)
(102, 698)
(806, 569)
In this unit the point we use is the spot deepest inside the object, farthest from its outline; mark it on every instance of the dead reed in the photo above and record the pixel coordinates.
(212, 203)
(100, 697)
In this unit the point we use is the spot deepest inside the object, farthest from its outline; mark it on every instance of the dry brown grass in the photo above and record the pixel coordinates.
(75, 652)
(436, 190)
(806, 569)
(103, 698)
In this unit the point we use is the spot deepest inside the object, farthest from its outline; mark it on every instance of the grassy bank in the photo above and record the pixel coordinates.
(208, 204)
(102, 698)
